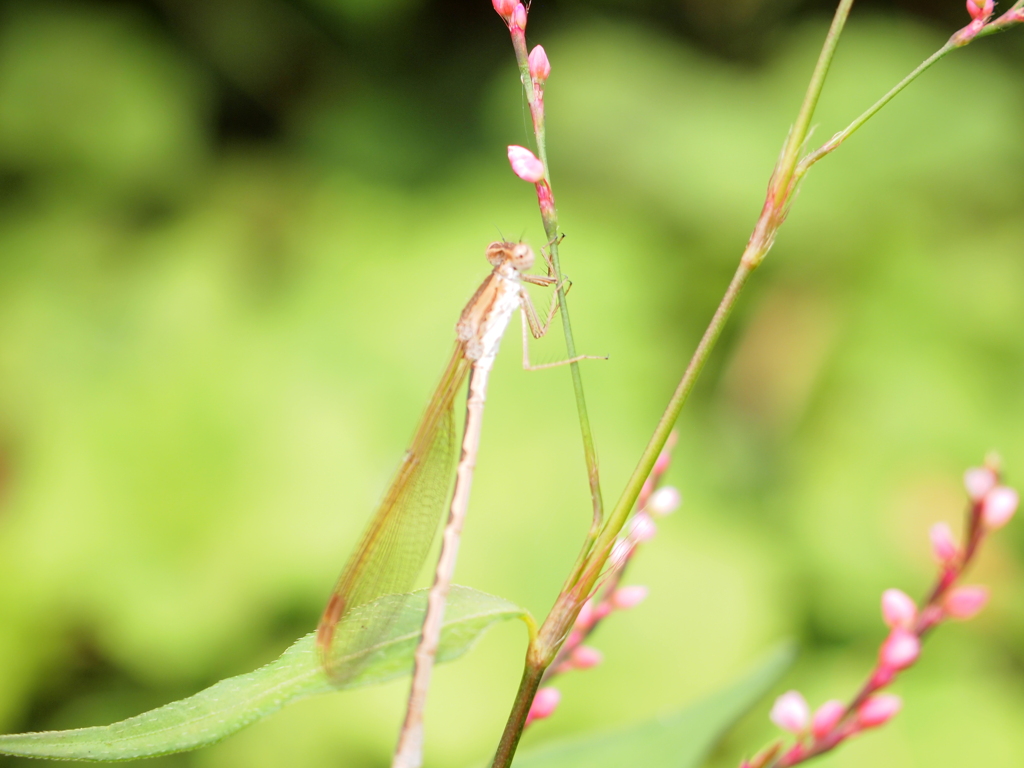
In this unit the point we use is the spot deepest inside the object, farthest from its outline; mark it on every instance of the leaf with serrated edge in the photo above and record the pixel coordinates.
(232, 704)
(679, 740)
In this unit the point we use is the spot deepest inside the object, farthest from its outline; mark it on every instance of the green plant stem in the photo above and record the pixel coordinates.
(533, 673)
(549, 215)
(1004, 22)
(618, 516)
(792, 148)
(772, 216)
(588, 568)
(844, 134)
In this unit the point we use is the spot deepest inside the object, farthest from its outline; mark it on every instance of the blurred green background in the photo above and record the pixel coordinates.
(235, 236)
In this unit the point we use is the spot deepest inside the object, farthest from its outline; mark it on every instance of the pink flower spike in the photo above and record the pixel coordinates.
(504, 8)
(965, 602)
(898, 609)
(585, 657)
(642, 529)
(978, 481)
(944, 545)
(540, 67)
(827, 717)
(525, 164)
(790, 712)
(665, 501)
(519, 16)
(878, 710)
(998, 507)
(900, 649)
(601, 611)
(625, 598)
(544, 704)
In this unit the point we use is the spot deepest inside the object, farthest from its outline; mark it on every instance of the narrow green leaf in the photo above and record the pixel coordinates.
(680, 740)
(232, 704)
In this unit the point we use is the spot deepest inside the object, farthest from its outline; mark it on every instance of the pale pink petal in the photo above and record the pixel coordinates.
(525, 164)
(898, 609)
(544, 704)
(790, 712)
(878, 710)
(625, 598)
(540, 67)
(665, 501)
(585, 657)
(827, 717)
(978, 481)
(900, 649)
(965, 602)
(944, 544)
(999, 506)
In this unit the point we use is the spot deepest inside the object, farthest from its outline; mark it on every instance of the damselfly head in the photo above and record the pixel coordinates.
(518, 255)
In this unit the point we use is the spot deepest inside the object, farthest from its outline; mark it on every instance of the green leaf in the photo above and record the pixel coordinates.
(680, 740)
(232, 704)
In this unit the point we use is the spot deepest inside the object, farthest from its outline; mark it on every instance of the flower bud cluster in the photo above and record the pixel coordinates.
(611, 597)
(981, 14)
(981, 10)
(992, 505)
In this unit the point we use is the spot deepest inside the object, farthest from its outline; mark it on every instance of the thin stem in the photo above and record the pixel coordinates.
(533, 673)
(618, 515)
(760, 243)
(549, 215)
(588, 568)
(1010, 18)
(559, 621)
(798, 134)
(844, 134)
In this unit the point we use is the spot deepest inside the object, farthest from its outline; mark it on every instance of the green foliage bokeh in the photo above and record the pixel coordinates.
(213, 350)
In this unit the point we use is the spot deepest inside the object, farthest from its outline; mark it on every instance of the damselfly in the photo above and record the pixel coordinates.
(391, 552)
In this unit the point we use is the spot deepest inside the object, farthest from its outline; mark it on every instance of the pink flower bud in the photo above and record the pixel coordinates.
(980, 10)
(621, 552)
(586, 615)
(642, 528)
(645, 493)
(585, 657)
(944, 544)
(999, 506)
(978, 481)
(540, 67)
(519, 16)
(504, 8)
(664, 459)
(544, 704)
(790, 712)
(898, 609)
(878, 710)
(625, 598)
(525, 164)
(900, 649)
(827, 717)
(665, 501)
(965, 602)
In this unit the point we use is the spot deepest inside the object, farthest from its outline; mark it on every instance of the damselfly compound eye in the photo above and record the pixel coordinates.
(522, 256)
